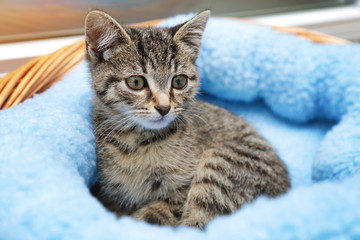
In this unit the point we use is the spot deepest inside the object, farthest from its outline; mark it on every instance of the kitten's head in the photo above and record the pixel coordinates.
(146, 74)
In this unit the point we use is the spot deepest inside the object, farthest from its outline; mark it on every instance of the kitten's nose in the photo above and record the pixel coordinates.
(163, 110)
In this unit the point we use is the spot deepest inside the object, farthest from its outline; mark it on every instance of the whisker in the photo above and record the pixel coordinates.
(120, 125)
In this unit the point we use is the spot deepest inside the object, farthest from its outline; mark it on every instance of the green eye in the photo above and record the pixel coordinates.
(179, 82)
(135, 82)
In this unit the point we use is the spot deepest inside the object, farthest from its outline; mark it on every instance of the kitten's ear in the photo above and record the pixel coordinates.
(190, 33)
(102, 32)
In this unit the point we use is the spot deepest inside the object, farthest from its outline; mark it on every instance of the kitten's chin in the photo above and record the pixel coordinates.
(154, 124)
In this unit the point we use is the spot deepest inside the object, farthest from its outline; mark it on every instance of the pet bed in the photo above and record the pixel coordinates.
(302, 96)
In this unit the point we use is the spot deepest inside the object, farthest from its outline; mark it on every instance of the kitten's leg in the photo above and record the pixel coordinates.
(209, 194)
(224, 181)
(160, 213)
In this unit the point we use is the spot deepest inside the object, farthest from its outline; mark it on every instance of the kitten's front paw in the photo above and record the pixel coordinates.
(196, 220)
(158, 213)
(149, 217)
(194, 223)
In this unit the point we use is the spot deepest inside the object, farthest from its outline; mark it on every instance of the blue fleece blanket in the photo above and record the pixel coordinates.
(303, 97)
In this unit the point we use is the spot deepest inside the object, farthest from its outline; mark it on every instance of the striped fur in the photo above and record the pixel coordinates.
(186, 167)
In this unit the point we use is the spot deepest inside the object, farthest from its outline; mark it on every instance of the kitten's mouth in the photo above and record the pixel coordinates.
(155, 123)
(158, 120)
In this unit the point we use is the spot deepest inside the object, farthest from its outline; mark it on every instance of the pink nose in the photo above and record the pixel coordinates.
(163, 110)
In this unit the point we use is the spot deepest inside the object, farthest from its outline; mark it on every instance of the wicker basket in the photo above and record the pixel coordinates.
(41, 72)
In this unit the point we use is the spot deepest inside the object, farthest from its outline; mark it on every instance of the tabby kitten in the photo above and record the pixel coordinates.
(164, 157)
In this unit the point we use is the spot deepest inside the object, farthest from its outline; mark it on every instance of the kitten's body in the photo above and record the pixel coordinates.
(162, 156)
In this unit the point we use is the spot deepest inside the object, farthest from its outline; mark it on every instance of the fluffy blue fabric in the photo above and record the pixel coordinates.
(303, 97)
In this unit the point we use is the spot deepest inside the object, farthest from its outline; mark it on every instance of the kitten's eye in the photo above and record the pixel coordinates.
(179, 82)
(136, 82)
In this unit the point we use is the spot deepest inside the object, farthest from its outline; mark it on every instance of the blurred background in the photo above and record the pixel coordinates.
(35, 19)
(30, 28)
